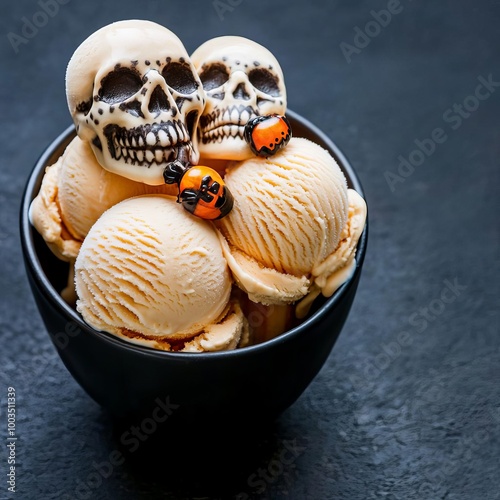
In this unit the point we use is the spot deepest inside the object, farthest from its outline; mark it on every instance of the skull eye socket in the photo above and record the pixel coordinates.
(119, 85)
(180, 77)
(214, 76)
(265, 81)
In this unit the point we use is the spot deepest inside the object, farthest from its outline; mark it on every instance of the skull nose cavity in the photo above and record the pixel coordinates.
(158, 101)
(240, 92)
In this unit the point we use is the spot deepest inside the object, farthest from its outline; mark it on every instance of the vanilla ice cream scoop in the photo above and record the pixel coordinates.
(340, 265)
(153, 274)
(289, 217)
(75, 191)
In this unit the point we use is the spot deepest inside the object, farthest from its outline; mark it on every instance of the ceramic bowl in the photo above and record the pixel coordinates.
(245, 386)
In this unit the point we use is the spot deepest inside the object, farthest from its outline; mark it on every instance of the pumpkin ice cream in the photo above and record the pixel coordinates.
(294, 226)
(154, 275)
(75, 192)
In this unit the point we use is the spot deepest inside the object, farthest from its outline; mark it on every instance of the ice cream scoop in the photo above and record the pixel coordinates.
(75, 191)
(290, 228)
(340, 265)
(151, 273)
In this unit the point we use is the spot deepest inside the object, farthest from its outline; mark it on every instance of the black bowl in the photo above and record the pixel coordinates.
(250, 385)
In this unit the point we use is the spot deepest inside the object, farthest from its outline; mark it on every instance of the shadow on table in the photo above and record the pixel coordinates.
(205, 460)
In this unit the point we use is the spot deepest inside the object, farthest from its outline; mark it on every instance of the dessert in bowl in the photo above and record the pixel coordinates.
(253, 383)
(221, 369)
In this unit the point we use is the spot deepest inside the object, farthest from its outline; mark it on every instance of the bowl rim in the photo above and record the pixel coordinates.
(33, 263)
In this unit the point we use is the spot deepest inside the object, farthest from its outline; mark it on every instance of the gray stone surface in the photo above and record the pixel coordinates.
(408, 404)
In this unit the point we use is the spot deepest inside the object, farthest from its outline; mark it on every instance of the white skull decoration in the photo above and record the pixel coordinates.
(242, 80)
(135, 96)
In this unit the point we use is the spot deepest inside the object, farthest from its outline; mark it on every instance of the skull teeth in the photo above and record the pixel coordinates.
(174, 135)
(150, 157)
(157, 143)
(163, 137)
(246, 115)
(224, 132)
(151, 139)
(221, 124)
(180, 133)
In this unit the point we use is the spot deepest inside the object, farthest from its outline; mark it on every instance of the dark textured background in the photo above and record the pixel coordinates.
(421, 422)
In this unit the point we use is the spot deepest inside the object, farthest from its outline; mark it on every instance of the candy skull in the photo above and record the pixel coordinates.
(135, 96)
(242, 80)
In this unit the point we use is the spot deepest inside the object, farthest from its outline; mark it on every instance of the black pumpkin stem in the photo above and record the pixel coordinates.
(174, 171)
